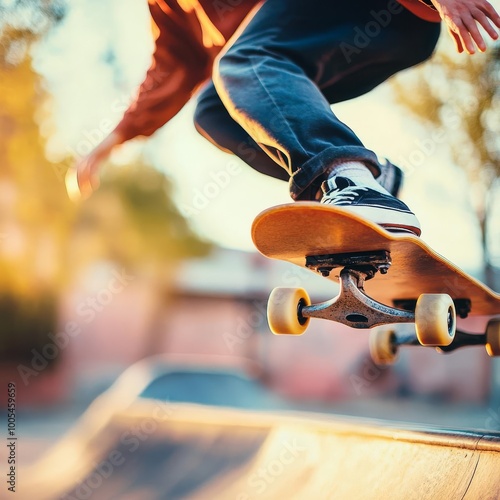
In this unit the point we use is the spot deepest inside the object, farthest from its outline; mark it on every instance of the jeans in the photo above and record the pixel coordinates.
(269, 102)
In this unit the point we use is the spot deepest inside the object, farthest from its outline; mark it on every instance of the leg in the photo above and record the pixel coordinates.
(215, 124)
(277, 80)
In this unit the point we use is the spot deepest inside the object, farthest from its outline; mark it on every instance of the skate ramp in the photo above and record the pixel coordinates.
(145, 439)
(153, 450)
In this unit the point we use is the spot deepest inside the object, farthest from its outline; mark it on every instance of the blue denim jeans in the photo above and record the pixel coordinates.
(274, 85)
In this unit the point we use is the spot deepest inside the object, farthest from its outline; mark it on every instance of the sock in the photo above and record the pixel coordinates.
(357, 172)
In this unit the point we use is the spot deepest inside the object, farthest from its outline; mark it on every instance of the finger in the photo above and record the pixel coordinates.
(85, 190)
(461, 32)
(483, 20)
(72, 187)
(80, 169)
(456, 39)
(492, 14)
(92, 178)
(475, 36)
(83, 180)
(467, 42)
(94, 181)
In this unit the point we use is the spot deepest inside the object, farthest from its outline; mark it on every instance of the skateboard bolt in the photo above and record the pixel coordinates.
(324, 271)
(384, 270)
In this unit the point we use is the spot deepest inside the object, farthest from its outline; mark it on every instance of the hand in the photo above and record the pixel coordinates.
(83, 178)
(462, 18)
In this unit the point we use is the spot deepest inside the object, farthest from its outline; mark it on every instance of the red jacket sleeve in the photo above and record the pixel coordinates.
(423, 9)
(178, 67)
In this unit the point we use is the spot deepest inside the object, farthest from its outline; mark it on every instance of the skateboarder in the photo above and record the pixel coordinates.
(187, 40)
(290, 60)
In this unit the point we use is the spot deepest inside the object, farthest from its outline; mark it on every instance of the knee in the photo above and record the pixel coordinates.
(237, 64)
(227, 64)
(213, 122)
(207, 114)
(206, 124)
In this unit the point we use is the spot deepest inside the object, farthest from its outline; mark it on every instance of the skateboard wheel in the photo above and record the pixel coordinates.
(283, 311)
(493, 337)
(435, 319)
(383, 348)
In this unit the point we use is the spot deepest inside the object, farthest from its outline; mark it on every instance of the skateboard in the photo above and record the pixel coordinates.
(385, 279)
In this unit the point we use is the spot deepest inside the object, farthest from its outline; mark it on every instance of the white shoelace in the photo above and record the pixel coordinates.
(347, 194)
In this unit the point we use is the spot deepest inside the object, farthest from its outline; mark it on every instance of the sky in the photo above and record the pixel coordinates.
(218, 193)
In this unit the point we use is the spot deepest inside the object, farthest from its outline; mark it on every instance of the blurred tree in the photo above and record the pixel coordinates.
(459, 98)
(132, 221)
(27, 245)
(44, 239)
(35, 214)
(23, 22)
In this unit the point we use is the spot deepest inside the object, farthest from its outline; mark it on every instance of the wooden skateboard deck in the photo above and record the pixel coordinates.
(293, 231)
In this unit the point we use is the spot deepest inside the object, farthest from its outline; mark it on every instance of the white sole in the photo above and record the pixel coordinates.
(392, 220)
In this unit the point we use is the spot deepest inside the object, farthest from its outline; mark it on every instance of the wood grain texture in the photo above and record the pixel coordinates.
(293, 231)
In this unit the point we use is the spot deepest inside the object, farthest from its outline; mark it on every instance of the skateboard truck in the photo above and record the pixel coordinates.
(369, 263)
(290, 309)
(385, 342)
(363, 312)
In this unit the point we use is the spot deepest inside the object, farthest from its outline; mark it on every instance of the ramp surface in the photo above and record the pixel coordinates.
(152, 450)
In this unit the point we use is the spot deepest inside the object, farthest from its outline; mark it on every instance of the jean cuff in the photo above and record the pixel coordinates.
(315, 170)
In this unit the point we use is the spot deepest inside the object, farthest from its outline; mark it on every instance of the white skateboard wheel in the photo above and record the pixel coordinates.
(283, 311)
(493, 337)
(435, 319)
(383, 348)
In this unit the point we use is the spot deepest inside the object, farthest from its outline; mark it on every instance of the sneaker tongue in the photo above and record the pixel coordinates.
(340, 183)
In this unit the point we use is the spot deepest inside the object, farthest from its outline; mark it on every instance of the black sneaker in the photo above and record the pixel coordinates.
(390, 178)
(381, 208)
